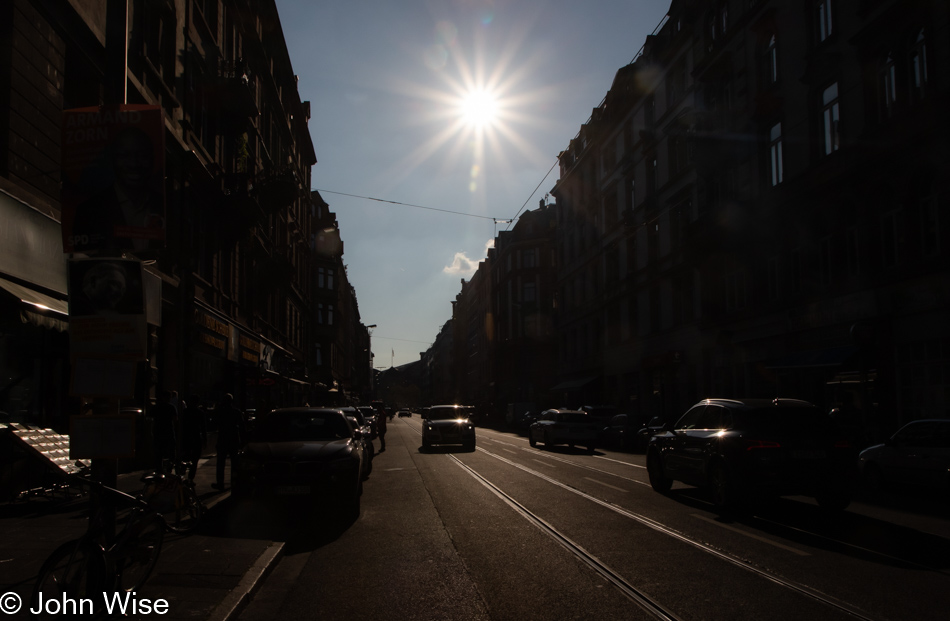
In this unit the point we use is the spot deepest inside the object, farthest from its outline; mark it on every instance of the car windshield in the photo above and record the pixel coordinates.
(572, 417)
(447, 413)
(302, 426)
(785, 419)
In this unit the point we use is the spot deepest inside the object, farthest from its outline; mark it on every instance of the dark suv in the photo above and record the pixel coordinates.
(738, 448)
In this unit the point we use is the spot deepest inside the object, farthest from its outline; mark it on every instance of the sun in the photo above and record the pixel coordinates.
(479, 108)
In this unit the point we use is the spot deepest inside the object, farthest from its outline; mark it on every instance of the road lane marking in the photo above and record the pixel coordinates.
(619, 489)
(796, 587)
(543, 463)
(509, 451)
(751, 535)
(617, 461)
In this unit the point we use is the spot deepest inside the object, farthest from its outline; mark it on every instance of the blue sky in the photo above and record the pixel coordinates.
(390, 86)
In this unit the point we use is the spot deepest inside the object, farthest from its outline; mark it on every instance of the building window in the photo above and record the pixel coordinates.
(853, 250)
(329, 314)
(771, 60)
(530, 293)
(918, 63)
(888, 86)
(890, 237)
(773, 278)
(320, 314)
(651, 174)
(318, 350)
(321, 278)
(330, 278)
(795, 270)
(683, 299)
(824, 261)
(830, 119)
(678, 154)
(775, 154)
(649, 111)
(824, 19)
(930, 227)
(735, 287)
(529, 258)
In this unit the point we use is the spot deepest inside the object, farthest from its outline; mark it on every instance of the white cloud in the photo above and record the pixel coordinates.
(461, 264)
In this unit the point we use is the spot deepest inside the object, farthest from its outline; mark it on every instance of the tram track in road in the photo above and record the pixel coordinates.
(644, 601)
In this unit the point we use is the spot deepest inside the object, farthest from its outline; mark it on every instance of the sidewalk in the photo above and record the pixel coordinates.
(203, 575)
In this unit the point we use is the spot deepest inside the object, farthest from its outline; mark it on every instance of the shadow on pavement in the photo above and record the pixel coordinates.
(303, 527)
(844, 532)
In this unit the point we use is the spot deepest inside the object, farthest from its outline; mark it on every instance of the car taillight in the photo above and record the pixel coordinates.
(761, 444)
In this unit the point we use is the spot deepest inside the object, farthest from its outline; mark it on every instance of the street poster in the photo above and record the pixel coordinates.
(113, 195)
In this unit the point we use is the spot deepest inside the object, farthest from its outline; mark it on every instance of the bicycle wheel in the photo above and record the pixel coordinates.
(186, 517)
(75, 571)
(137, 548)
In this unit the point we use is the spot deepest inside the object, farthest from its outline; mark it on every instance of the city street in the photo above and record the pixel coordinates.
(511, 532)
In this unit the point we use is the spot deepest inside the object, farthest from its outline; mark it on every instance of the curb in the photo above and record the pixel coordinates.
(235, 601)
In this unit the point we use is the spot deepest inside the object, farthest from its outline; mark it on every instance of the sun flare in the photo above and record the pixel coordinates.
(479, 108)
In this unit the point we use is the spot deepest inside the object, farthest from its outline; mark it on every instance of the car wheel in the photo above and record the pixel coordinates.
(470, 446)
(658, 480)
(722, 488)
(426, 445)
(547, 440)
(590, 449)
(531, 439)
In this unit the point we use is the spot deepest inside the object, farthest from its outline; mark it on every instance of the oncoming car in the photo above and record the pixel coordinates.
(305, 454)
(448, 424)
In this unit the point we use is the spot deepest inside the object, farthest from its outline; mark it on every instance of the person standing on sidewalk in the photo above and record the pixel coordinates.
(230, 423)
(194, 434)
(381, 430)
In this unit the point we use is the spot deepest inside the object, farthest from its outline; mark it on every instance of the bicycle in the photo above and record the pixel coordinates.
(91, 572)
(173, 497)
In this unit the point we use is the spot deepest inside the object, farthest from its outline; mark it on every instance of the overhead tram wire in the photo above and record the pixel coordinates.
(532, 195)
(382, 200)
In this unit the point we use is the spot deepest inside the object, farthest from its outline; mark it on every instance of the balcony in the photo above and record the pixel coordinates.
(231, 99)
(278, 188)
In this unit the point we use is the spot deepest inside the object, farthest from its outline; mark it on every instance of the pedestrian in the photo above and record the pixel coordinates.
(164, 421)
(381, 430)
(230, 423)
(194, 433)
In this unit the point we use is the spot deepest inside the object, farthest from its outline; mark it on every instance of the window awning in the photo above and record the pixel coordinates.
(41, 309)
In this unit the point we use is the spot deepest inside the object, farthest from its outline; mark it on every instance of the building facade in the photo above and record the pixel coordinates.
(234, 294)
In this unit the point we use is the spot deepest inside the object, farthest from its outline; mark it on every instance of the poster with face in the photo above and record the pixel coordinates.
(107, 309)
(113, 188)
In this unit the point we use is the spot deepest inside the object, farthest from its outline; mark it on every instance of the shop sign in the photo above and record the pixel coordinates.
(212, 332)
(250, 350)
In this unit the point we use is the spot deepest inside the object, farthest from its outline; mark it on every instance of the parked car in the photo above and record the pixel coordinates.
(369, 415)
(750, 447)
(571, 427)
(303, 453)
(602, 412)
(448, 424)
(918, 455)
(653, 427)
(622, 431)
(359, 423)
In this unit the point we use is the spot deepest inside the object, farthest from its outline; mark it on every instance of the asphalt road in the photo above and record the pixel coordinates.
(513, 532)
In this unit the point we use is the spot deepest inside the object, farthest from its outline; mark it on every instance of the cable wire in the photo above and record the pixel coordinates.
(532, 194)
(382, 200)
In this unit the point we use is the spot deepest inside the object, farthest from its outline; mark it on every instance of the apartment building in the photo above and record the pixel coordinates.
(233, 294)
(757, 208)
